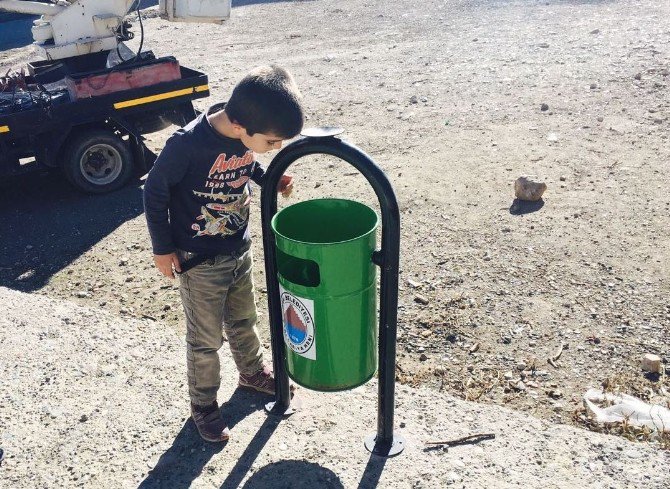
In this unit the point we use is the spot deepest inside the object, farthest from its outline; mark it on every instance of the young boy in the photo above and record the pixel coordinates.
(196, 201)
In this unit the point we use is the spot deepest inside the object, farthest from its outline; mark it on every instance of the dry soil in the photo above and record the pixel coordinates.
(454, 100)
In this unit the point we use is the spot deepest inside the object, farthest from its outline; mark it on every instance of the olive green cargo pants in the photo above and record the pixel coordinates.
(218, 296)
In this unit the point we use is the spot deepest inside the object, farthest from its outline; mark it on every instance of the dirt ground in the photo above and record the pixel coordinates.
(115, 416)
(454, 100)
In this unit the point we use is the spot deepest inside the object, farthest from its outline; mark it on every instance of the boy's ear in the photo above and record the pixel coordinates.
(238, 129)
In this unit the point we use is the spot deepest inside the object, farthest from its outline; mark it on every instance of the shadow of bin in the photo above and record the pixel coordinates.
(327, 283)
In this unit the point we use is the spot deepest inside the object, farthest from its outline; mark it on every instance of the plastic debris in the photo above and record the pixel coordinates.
(628, 409)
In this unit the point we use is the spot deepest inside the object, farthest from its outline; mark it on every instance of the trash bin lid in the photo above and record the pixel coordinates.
(322, 132)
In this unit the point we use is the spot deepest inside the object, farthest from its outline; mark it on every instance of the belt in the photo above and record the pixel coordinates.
(194, 261)
(199, 258)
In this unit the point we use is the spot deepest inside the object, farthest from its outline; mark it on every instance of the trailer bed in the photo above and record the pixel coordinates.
(97, 141)
(123, 104)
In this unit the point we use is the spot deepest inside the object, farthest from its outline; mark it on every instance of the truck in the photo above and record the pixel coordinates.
(86, 108)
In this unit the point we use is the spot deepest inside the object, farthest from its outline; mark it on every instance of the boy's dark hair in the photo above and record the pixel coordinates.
(266, 101)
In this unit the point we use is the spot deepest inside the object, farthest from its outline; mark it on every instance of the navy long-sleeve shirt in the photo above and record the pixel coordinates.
(197, 195)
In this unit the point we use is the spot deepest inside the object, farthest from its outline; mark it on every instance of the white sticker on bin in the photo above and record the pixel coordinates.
(298, 318)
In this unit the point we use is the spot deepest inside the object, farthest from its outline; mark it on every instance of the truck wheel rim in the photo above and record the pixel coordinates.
(101, 164)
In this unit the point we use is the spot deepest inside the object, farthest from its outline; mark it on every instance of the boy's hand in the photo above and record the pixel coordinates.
(285, 185)
(165, 263)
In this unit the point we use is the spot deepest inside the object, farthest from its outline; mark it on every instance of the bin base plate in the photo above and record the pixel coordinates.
(385, 449)
(295, 405)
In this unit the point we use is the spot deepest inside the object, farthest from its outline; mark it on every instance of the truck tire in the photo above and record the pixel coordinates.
(98, 161)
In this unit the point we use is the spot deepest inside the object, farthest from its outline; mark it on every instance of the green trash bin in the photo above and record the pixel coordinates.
(327, 284)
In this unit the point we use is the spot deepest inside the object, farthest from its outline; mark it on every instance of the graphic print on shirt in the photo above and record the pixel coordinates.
(233, 172)
(223, 218)
(229, 211)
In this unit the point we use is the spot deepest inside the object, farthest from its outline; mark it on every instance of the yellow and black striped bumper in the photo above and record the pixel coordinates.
(160, 96)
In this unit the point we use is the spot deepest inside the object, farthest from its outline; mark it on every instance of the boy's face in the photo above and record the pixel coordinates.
(259, 142)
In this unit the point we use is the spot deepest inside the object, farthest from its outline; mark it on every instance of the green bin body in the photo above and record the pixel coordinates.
(327, 284)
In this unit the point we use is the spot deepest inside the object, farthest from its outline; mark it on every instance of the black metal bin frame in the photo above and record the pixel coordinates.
(384, 443)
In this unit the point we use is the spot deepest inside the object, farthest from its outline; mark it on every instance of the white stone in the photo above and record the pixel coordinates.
(651, 363)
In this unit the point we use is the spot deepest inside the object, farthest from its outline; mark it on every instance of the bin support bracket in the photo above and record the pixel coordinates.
(384, 443)
(378, 258)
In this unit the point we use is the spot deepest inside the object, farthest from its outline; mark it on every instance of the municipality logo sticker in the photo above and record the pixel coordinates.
(298, 319)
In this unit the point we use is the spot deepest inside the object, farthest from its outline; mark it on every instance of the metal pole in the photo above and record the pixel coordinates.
(384, 442)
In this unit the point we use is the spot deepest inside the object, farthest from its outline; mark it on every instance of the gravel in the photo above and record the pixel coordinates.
(92, 400)
(447, 97)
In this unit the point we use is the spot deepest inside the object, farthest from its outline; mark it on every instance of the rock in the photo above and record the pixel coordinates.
(544, 107)
(25, 276)
(413, 284)
(525, 189)
(421, 299)
(413, 99)
(638, 76)
(593, 86)
(543, 45)
(595, 31)
(632, 453)
(452, 478)
(423, 357)
(555, 393)
(82, 294)
(123, 261)
(651, 363)
(562, 178)
(52, 412)
(552, 137)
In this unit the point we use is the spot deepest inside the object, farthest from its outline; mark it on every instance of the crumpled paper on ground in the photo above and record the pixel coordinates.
(627, 408)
